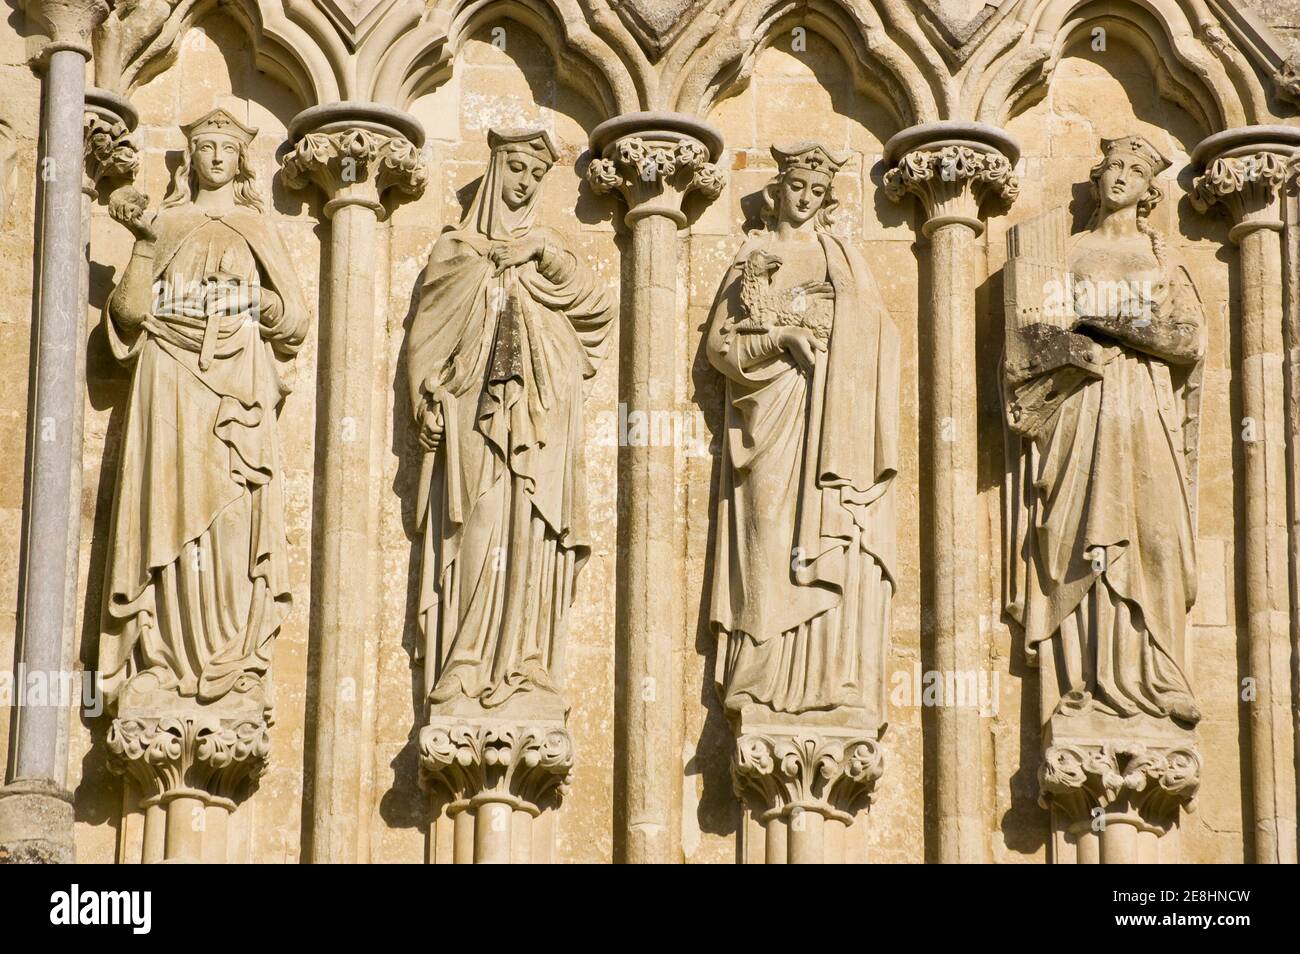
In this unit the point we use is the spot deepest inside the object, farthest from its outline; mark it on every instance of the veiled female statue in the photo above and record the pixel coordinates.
(804, 566)
(510, 325)
(198, 569)
(1105, 572)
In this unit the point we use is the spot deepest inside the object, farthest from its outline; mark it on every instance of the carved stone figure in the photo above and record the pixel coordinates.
(510, 325)
(198, 569)
(803, 572)
(1102, 375)
(804, 566)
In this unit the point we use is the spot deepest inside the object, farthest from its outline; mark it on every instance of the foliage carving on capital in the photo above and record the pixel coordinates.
(1247, 187)
(353, 160)
(170, 754)
(527, 764)
(109, 151)
(953, 180)
(647, 171)
(1155, 782)
(779, 774)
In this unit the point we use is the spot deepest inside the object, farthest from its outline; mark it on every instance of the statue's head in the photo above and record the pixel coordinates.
(803, 187)
(524, 156)
(1126, 175)
(217, 155)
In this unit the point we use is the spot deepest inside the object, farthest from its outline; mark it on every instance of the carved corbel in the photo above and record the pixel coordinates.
(171, 755)
(1127, 781)
(780, 775)
(526, 765)
(110, 152)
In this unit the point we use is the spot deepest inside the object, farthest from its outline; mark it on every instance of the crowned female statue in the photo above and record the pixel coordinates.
(198, 569)
(1106, 570)
(509, 327)
(804, 566)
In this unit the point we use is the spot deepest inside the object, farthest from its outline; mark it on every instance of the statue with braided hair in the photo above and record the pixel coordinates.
(1102, 565)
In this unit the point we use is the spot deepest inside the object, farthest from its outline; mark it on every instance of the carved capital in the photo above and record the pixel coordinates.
(110, 152)
(527, 765)
(779, 774)
(190, 754)
(355, 167)
(1149, 782)
(953, 182)
(1243, 171)
(654, 161)
(1249, 187)
(69, 23)
(957, 170)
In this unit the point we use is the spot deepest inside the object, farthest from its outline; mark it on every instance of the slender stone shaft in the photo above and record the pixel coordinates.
(652, 160)
(952, 168)
(1267, 573)
(343, 618)
(353, 152)
(954, 529)
(651, 570)
(1245, 171)
(52, 535)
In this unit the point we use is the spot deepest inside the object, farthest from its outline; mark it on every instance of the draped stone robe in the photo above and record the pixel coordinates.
(804, 564)
(502, 502)
(1111, 564)
(198, 569)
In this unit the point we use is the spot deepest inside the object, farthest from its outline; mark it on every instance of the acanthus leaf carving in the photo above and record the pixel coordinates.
(1154, 782)
(526, 764)
(780, 774)
(953, 181)
(207, 753)
(356, 165)
(656, 173)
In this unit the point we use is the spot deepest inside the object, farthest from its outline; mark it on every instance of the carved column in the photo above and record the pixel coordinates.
(498, 781)
(653, 160)
(805, 789)
(954, 169)
(1245, 170)
(355, 153)
(35, 808)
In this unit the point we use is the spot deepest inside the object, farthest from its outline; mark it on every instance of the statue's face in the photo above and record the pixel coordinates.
(1124, 180)
(520, 179)
(802, 193)
(215, 157)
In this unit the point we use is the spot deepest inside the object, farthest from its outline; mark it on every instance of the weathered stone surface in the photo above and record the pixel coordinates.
(951, 125)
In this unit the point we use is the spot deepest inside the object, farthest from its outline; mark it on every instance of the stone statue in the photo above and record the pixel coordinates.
(1102, 373)
(198, 567)
(804, 566)
(510, 325)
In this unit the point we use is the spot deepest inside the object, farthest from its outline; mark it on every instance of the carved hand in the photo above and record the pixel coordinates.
(809, 293)
(516, 253)
(131, 208)
(802, 344)
(431, 426)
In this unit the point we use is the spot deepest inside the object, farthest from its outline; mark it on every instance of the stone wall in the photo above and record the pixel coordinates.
(831, 74)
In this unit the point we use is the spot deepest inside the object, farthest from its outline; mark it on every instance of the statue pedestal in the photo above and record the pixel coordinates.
(805, 783)
(495, 782)
(1115, 786)
(193, 762)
